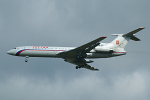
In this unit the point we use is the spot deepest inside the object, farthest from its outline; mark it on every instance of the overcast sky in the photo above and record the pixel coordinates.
(73, 23)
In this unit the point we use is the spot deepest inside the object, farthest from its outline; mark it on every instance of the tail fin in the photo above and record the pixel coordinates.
(122, 39)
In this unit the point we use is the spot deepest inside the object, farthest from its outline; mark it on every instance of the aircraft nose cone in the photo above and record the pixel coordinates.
(10, 52)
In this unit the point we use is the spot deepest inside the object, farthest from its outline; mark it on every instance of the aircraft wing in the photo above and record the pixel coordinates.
(81, 63)
(80, 52)
(76, 56)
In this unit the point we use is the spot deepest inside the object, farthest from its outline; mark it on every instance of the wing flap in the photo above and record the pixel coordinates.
(91, 68)
(81, 63)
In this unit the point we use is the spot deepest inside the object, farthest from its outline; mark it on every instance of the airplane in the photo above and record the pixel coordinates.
(80, 56)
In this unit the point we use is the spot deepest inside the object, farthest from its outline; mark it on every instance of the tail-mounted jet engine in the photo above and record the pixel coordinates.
(100, 49)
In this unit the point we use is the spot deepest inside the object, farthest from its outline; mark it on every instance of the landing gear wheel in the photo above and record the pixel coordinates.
(26, 60)
(77, 67)
(80, 67)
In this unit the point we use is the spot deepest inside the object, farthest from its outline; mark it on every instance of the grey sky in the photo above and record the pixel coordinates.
(73, 23)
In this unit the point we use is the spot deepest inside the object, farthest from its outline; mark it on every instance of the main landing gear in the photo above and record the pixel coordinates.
(78, 67)
(26, 60)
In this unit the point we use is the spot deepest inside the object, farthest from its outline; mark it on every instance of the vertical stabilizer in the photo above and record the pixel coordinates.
(120, 41)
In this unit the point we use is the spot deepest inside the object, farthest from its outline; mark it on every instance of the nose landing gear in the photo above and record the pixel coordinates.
(26, 60)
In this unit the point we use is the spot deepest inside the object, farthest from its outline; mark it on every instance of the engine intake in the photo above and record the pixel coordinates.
(88, 61)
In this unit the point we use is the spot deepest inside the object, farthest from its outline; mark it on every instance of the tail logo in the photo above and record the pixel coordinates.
(117, 41)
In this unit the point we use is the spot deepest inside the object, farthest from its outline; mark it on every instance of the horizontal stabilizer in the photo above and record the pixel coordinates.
(135, 38)
(131, 34)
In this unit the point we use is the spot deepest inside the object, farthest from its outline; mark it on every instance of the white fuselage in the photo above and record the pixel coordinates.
(45, 51)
